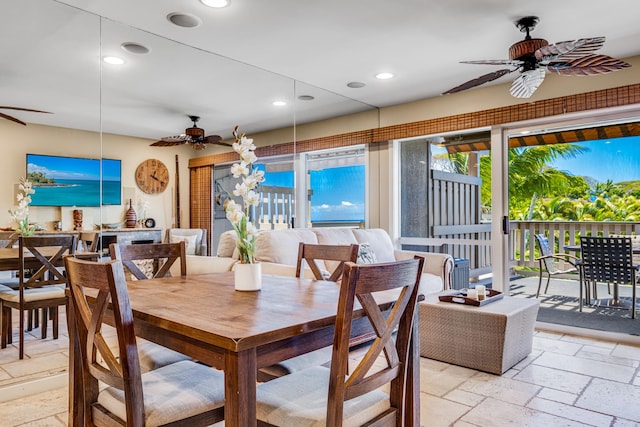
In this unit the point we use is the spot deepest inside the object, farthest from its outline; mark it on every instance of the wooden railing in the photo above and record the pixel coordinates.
(473, 242)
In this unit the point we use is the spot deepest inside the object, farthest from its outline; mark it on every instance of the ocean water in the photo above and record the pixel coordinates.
(77, 193)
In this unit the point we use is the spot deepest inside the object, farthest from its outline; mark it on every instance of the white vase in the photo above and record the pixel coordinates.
(248, 277)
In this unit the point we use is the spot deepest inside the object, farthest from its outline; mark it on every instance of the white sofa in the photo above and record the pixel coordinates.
(277, 250)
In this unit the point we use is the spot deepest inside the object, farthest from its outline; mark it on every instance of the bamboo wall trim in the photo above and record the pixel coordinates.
(606, 98)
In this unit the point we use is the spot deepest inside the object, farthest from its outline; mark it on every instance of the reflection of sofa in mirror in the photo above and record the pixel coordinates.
(195, 239)
(277, 250)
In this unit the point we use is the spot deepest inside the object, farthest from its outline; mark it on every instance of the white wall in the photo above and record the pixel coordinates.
(16, 141)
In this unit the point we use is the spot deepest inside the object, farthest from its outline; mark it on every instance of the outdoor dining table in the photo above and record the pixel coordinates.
(204, 317)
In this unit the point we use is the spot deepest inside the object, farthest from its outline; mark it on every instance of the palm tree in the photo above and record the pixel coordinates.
(530, 177)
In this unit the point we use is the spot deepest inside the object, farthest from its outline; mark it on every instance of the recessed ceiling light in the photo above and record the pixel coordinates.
(384, 76)
(215, 3)
(356, 85)
(113, 60)
(306, 98)
(137, 48)
(184, 20)
(279, 103)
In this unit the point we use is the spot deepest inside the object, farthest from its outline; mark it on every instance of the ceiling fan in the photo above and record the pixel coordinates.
(193, 136)
(533, 57)
(13, 119)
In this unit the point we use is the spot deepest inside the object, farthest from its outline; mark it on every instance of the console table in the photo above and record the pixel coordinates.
(126, 236)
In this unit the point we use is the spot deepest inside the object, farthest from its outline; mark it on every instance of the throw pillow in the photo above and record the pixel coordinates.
(189, 242)
(366, 255)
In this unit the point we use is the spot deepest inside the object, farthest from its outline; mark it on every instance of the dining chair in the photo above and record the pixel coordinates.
(332, 256)
(608, 260)
(185, 393)
(194, 238)
(88, 241)
(152, 356)
(330, 396)
(43, 289)
(312, 254)
(157, 258)
(548, 262)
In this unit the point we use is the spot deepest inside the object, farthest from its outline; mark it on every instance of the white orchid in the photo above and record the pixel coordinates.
(21, 215)
(238, 214)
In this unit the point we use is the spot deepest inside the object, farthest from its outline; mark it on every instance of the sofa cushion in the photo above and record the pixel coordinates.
(189, 242)
(379, 241)
(227, 244)
(366, 254)
(281, 246)
(334, 236)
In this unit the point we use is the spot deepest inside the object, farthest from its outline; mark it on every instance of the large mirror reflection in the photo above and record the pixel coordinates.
(160, 92)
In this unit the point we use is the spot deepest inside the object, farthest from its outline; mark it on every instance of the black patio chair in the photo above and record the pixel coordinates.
(608, 260)
(549, 262)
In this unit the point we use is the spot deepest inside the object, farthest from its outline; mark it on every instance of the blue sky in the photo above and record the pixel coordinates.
(73, 168)
(616, 159)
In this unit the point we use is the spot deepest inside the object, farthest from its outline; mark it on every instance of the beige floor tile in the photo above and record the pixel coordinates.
(437, 412)
(613, 398)
(492, 412)
(51, 362)
(570, 412)
(554, 378)
(588, 353)
(548, 335)
(587, 367)
(464, 397)
(504, 389)
(33, 408)
(588, 341)
(555, 346)
(619, 422)
(439, 383)
(627, 351)
(558, 396)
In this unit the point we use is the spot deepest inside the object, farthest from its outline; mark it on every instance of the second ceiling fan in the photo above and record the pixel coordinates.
(193, 136)
(534, 57)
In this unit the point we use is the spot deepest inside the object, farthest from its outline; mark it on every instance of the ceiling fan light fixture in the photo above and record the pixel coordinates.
(215, 3)
(279, 103)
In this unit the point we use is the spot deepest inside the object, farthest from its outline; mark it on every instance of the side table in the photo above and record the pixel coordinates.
(491, 338)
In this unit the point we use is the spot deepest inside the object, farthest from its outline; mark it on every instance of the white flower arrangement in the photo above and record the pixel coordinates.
(238, 214)
(21, 215)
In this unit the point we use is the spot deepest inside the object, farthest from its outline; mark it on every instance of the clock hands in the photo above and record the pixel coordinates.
(153, 175)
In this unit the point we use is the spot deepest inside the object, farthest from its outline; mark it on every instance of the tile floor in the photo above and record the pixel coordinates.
(567, 380)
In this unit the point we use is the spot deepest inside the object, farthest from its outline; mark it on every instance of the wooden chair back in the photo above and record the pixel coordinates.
(359, 282)
(44, 255)
(163, 255)
(311, 252)
(8, 238)
(88, 241)
(122, 370)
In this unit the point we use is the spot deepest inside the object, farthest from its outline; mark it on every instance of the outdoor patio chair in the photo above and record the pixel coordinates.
(608, 260)
(549, 262)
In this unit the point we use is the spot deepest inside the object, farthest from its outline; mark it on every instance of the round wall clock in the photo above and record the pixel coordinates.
(149, 222)
(152, 176)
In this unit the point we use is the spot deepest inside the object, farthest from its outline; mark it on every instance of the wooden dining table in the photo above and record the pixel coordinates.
(204, 317)
(10, 257)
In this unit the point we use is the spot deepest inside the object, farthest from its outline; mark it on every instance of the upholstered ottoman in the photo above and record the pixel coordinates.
(490, 338)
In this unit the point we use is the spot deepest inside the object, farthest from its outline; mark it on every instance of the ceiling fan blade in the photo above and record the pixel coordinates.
(4, 107)
(527, 83)
(163, 143)
(176, 138)
(512, 62)
(588, 65)
(215, 139)
(479, 80)
(568, 50)
(13, 119)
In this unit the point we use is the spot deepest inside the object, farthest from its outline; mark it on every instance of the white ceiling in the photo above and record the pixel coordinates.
(242, 57)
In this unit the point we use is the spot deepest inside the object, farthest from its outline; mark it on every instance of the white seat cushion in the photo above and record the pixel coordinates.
(33, 294)
(172, 393)
(298, 363)
(300, 399)
(190, 242)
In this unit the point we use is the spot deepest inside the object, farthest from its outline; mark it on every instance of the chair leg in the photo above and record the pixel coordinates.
(54, 319)
(546, 288)
(539, 284)
(45, 321)
(3, 329)
(21, 336)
